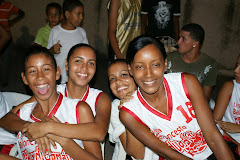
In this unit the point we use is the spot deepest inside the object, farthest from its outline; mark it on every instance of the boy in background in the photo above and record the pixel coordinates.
(63, 37)
(53, 16)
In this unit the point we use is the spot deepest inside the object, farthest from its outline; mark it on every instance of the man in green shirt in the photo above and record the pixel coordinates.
(190, 59)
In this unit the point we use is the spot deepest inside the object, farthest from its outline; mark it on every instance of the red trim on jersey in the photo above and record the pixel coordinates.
(56, 106)
(34, 118)
(185, 86)
(77, 112)
(18, 113)
(66, 93)
(97, 101)
(86, 94)
(153, 110)
(6, 149)
(133, 115)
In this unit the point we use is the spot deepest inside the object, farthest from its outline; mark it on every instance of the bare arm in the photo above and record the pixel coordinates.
(7, 157)
(112, 27)
(144, 20)
(11, 121)
(205, 119)
(222, 101)
(143, 134)
(19, 16)
(91, 131)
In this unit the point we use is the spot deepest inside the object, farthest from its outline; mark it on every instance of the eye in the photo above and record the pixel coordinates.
(124, 75)
(91, 63)
(78, 61)
(111, 79)
(31, 71)
(139, 67)
(46, 69)
(156, 65)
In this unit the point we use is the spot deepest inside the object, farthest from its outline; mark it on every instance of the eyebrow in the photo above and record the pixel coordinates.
(83, 58)
(43, 65)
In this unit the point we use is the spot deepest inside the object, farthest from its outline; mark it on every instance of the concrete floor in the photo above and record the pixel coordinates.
(15, 84)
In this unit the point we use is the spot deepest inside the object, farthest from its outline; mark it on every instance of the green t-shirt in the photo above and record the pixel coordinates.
(43, 35)
(205, 68)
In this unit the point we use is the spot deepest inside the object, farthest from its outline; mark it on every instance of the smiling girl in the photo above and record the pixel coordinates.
(169, 113)
(40, 74)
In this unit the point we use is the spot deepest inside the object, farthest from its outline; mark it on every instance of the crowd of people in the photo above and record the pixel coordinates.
(161, 107)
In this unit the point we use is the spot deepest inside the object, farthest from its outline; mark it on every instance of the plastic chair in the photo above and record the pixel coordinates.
(14, 98)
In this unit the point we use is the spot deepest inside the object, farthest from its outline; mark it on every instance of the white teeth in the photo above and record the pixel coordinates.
(148, 83)
(121, 88)
(83, 75)
(42, 86)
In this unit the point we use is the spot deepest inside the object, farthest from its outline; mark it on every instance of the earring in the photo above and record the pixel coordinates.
(194, 46)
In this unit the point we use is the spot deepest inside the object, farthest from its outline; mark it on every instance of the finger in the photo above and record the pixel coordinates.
(43, 145)
(24, 130)
(38, 141)
(53, 144)
(48, 145)
(29, 136)
(58, 42)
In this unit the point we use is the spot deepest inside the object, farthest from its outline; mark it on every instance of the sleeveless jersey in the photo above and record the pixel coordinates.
(232, 113)
(91, 96)
(65, 110)
(179, 128)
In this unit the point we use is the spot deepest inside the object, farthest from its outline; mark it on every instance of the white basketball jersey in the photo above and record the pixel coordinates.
(65, 110)
(179, 128)
(232, 113)
(91, 96)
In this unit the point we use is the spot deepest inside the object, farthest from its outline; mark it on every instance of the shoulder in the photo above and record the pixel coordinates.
(83, 107)
(207, 58)
(228, 86)
(80, 29)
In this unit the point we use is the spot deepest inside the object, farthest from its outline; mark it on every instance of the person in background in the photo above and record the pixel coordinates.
(160, 19)
(6, 10)
(4, 38)
(124, 25)
(190, 59)
(62, 37)
(53, 17)
(226, 111)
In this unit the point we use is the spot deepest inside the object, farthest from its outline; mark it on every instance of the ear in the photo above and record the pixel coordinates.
(165, 64)
(67, 14)
(130, 70)
(24, 78)
(58, 73)
(66, 64)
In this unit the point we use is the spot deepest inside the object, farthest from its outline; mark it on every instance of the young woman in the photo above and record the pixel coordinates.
(226, 111)
(169, 113)
(40, 74)
(81, 67)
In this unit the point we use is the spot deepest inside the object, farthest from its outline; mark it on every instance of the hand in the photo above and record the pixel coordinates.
(35, 130)
(229, 127)
(126, 98)
(57, 47)
(44, 145)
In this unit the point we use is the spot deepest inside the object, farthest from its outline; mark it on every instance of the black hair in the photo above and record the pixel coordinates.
(197, 32)
(69, 5)
(35, 50)
(54, 5)
(71, 51)
(139, 43)
(117, 61)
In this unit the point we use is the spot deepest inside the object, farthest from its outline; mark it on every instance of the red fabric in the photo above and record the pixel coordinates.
(228, 139)
(6, 149)
(5, 11)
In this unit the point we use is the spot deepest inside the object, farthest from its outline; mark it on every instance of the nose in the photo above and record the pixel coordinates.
(84, 66)
(237, 69)
(40, 75)
(148, 72)
(178, 42)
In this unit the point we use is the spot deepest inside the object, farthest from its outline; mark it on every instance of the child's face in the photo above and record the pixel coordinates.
(148, 69)
(237, 71)
(81, 66)
(76, 16)
(120, 81)
(53, 17)
(40, 75)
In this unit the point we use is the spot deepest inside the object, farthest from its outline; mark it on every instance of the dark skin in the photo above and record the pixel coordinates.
(148, 67)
